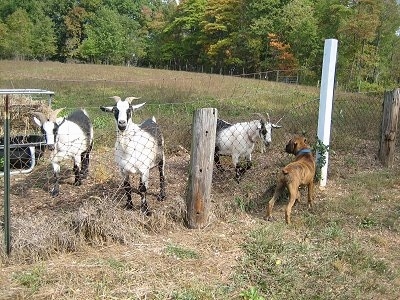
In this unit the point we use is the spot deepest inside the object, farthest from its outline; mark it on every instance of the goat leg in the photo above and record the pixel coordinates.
(162, 195)
(239, 173)
(128, 193)
(144, 207)
(84, 164)
(240, 170)
(78, 177)
(217, 161)
(249, 164)
(55, 191)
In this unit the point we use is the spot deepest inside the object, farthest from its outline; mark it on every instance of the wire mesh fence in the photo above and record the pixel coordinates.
(94, 210)
(355, 130)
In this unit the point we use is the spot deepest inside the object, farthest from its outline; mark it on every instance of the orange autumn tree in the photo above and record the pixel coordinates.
(281, 55)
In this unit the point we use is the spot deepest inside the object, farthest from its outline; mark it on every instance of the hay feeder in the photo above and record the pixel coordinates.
(25, 144)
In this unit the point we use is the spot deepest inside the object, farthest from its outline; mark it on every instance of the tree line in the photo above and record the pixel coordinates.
(220, 36)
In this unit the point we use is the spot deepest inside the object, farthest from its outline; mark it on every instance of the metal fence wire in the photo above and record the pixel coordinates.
(355, 133)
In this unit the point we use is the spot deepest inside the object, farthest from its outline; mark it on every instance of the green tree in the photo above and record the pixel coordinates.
(57, 11)
(222, 20)
(387, 44)
(357, 33)
(330, 14)
(178, 42)
(32, 7)
(301, 31)
(4, 47)
(19, 35)
(264, 19)
(74, 25)
(110, 38)
(394, 69)
(43, 38)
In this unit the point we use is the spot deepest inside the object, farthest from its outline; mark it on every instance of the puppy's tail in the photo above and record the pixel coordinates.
(285, 171)
(286, 175)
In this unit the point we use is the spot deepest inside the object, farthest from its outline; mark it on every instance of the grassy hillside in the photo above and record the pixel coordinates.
(84, 245)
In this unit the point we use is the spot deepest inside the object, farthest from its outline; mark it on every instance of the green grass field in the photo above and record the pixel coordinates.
(85, 246)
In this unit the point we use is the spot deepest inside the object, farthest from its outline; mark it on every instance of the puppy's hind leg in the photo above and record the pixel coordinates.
(310, 194)
(293, 195)
(278, 190)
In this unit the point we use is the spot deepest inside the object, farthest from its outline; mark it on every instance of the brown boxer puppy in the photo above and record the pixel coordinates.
(299, 172)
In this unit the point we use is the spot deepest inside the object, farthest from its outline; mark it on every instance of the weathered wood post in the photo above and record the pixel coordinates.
(201, 167)
(391, 105)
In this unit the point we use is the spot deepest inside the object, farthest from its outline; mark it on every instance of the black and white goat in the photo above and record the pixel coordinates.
(237, 140)
(138, 148)
(66, 138)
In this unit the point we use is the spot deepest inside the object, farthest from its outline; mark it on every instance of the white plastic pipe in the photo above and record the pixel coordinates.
(326, 101)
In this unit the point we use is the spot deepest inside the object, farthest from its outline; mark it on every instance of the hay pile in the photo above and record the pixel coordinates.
(96, 221)
(21, 106)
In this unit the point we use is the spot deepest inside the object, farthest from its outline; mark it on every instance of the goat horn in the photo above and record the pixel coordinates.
(129, 99)
(42, 118)
(269, 119)
(279, 120)
(54, 113)
(116, 98)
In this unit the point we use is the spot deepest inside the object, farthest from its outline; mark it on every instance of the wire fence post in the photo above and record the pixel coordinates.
(326, 101)
(6, 165)
(201, 167)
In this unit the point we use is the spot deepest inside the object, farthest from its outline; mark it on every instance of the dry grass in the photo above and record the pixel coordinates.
(84, 245)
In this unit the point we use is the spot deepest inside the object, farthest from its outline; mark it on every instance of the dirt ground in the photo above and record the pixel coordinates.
(142, 265)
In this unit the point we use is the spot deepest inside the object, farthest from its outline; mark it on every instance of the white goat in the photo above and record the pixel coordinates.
(138, 149)
(69, 137)
(237, 140)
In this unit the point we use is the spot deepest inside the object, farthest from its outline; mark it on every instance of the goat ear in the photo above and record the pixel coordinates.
(116, 98)
(130, 99)
(59, 120)
(54, 113)
(37, 121)
(276, 126)
(39, 118)
(134, 107)
(106, 108)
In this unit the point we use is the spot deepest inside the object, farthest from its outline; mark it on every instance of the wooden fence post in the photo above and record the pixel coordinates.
(201, 167)
(391, 105)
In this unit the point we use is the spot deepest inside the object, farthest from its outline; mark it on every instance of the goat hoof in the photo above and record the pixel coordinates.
(161, 197)
(128, 206)
(54, 193)
(146, 211)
